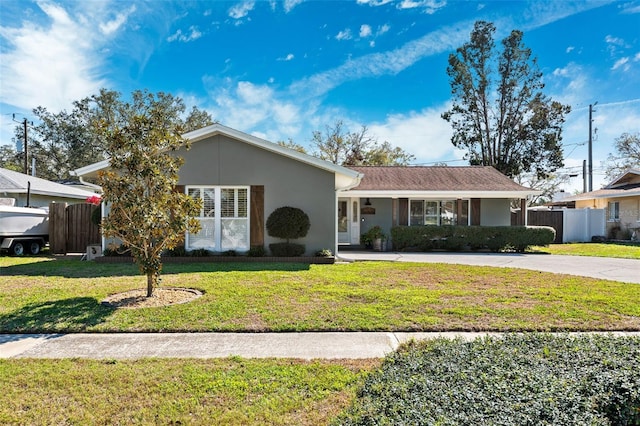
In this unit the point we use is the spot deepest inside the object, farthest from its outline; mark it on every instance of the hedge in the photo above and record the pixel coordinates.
(530, 379)
(456, 238)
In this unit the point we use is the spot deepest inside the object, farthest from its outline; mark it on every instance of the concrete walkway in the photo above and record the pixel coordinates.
(216, 345)
(624, 270)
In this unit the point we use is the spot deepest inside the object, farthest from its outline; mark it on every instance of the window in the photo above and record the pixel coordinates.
(429, 212)
(614, 211)
(224, 218)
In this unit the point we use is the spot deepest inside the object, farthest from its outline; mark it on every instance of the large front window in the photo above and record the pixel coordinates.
(224, 218)
(438, 212)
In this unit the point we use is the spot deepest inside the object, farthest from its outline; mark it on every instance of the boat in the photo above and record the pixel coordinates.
(22, 227)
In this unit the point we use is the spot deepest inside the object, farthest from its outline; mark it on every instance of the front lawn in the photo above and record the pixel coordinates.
(55, 295)
(621, 250)
(229, 391)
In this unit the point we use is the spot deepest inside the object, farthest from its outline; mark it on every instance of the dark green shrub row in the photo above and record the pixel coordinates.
(456, 238)
(287, 249)
(530, 379)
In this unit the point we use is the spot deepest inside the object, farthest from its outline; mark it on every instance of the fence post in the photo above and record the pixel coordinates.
(58, 228)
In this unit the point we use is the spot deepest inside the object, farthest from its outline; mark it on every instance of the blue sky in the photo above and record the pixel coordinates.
(281, 69)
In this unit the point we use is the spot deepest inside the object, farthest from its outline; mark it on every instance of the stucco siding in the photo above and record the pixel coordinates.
(220, 160)
(495, 212)
(629, 212)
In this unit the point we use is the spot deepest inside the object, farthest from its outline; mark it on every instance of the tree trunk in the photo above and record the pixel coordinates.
(152, 280)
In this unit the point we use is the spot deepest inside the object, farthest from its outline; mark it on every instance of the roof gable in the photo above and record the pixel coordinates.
(345, 178)
(630, 178)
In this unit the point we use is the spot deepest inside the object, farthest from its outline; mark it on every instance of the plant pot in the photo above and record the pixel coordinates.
(379, 244)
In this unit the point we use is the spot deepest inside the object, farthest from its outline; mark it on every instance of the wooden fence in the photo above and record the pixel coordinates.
(71, 229)
(552, 218)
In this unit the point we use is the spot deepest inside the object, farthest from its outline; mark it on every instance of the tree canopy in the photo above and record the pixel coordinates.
(499, 114)
(626, 155)
(145, 212)
(345, 148)
(64, 141)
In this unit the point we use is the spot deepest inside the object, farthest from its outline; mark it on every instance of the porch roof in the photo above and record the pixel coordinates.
(441, 181)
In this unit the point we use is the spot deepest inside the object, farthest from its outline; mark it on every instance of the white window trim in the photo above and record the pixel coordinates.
(218, 213)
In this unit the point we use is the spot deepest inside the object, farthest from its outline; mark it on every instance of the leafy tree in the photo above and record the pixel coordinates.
(64, 141)
(626, 156)
(549, 186)
(499, 113)
(146, 214)
(10, 159)
(345, 148)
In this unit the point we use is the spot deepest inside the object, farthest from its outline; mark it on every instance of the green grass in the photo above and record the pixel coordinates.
(54, 295)
(230, 391)
(619, 250)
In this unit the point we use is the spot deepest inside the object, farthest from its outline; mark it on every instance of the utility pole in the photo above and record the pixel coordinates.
(591, 146)
(26, 157)
(26, 160)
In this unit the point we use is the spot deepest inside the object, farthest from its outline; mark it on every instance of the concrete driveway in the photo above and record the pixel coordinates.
(624, 270)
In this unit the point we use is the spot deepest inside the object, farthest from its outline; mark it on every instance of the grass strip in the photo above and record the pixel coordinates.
(230, 391)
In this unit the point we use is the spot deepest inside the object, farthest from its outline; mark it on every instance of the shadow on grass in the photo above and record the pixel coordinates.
(66, 315)
(75, 268)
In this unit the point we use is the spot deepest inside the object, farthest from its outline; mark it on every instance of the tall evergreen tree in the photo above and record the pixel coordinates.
(500, 115)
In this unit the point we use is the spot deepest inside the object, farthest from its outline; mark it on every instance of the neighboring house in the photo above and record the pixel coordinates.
(37, 192)
(241, 179)
(390, 196)
(620, 199)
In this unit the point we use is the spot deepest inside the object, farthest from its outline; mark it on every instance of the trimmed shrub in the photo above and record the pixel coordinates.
(287, 249)
(257, 251)
(456, 238)
(288, 223)
(518, 379)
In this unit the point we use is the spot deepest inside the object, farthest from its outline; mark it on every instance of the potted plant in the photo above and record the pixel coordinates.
(375, 238)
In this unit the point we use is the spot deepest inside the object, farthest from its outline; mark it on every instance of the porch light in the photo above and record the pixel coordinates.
(368, 202)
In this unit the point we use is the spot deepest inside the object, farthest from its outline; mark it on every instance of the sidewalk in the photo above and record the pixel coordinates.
(217, 345)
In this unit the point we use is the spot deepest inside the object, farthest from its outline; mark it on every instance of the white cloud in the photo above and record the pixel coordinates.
(383, 29)
(344, 35)
(621, 63)
(570, 49)
(385, 63)
(290, 4)
(193, 34)
(112, 26)
(374, 2)
(248, 106)
(287, 58)
(68, 48)
(429, 6)
(241, 10)
(365, 31)
(424, 134)
(614, 40)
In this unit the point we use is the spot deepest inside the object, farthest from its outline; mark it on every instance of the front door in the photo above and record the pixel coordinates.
(349, 221)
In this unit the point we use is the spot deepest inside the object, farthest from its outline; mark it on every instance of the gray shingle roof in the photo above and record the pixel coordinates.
(435, 178)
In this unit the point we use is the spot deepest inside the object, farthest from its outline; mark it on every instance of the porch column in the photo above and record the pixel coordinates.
(523, 212)
(475, 211)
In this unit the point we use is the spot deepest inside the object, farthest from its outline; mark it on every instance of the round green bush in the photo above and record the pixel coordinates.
(288, 223)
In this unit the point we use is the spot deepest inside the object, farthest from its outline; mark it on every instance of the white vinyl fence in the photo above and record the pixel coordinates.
(579, 225)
